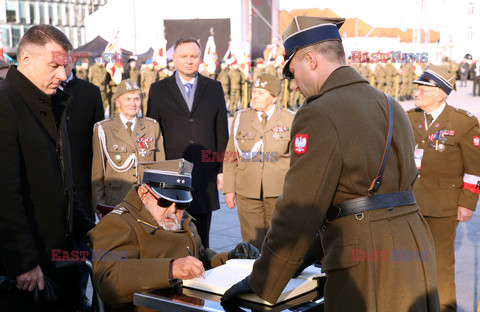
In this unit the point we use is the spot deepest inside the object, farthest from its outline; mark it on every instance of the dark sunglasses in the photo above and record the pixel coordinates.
(165, 203)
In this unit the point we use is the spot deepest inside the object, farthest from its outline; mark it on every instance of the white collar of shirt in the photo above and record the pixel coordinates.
(437, 112)
(192, 81)
(269, 113)
(125, 120)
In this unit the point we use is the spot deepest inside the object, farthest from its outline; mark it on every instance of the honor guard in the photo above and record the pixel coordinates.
(121, 142)
(447, 156)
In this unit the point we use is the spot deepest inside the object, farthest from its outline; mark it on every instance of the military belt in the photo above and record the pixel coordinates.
(366, 203)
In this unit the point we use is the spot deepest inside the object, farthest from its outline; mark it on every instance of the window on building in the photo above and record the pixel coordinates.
(50, 13)
(33, 9)
(16, 34)
(41, 8)
(12, 8)
(23, 11)
(470, 8)
(7, 39)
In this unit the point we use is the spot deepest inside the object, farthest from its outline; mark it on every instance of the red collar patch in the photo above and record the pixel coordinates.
(301, 141)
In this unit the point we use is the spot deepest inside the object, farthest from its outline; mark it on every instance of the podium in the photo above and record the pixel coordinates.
(189, 300)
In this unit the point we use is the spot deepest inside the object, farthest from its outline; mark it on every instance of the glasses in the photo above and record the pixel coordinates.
(165, 203)
(422, 91)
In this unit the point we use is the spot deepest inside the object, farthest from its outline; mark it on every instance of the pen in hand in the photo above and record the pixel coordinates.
(191, 254)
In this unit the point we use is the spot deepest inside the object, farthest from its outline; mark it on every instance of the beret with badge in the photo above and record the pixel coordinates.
(307, 30)
(436, 76)
(125, 86)
(268, 82)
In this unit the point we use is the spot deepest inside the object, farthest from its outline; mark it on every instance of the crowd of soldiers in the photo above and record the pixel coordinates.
(393, 78)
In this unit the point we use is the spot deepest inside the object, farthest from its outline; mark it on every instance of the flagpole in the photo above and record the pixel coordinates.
(134, 29)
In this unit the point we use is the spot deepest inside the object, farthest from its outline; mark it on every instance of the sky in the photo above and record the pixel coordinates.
(378, 13)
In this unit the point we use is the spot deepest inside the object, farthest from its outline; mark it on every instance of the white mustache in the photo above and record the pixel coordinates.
(169, 226)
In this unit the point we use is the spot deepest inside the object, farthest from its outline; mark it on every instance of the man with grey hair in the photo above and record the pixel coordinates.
(350, 180)
(39, 210)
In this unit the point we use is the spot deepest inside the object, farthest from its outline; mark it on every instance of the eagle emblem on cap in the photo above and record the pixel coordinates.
(263, 84)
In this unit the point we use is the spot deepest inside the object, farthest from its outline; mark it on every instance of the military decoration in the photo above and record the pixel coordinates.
(280, 129)
(115, 146)
(144, 142)
(118, 158)
(301, 144)
(476, 140)
(143, 152)
(276, 135)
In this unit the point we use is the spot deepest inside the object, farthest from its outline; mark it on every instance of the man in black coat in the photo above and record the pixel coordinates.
(83, 112)
(39, 213)
(193, 118)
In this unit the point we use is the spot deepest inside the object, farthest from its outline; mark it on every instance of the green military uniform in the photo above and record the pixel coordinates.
(147, 249)
(162, 74)
(390, 73)
(98, 75)
(134, 74)
(338, 141)
(116, 153)
(148, 76)
(443, 170)
(236, 82)
(113, 89)
(225, 81)
(82, 73)
(380, 75)
(257, 181)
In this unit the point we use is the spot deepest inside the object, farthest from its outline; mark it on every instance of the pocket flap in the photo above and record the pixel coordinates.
(340, 258)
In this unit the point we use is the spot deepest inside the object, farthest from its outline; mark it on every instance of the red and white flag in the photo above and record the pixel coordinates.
(113, 57)
(210, 59)
(1, 44)
(160, 54)
(247, 63)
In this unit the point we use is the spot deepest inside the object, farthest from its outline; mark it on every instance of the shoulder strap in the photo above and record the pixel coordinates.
(377, 182)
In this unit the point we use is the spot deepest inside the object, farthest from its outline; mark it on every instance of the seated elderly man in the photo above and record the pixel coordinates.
(145, 243)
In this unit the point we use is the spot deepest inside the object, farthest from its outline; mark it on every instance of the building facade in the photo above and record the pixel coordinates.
(16, 16)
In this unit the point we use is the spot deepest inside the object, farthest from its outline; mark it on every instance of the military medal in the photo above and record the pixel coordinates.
(437, 125)
(476, 140)
(441, 147)
(118, 158)
(275, 135)
(115, 146)
(144, 143)
(142, 152)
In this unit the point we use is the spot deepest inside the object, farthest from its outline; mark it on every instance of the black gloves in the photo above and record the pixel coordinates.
(48, 294)
(244, 251)
(308, 260)
(239, 288)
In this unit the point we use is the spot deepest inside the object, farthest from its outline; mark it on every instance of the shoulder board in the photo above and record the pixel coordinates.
(151, 119)
(103, 121)
(287, 110)
(464, 112)
(119, 210)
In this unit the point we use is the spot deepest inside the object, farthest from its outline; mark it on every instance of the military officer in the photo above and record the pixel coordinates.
(376, 244)
(133, 72)
(224, 80)
(236, 81)
(145, 243)
(257, 158)
(98, 75)
(119, 143)
(148, 76)
(81, 69)
(448, 160)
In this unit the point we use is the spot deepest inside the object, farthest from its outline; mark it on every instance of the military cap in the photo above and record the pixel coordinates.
(132, 58)
(149, 61)
(170, 179)
(307, 30)
(268, 82)
(125, 86)
(436, 76)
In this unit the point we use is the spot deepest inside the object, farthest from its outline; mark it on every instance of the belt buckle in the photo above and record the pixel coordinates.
(335, 215)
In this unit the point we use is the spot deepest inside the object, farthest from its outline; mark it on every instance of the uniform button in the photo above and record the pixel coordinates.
(191, 142)
(43, 113)
(419, 176)
(423, 141)
(41, 100)
(67, 118)
(134, 175)
(190, 120)
(133, 151)
(261, 137)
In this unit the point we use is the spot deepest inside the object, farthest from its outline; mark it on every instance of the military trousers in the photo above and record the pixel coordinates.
(255, 217)
(444, 231)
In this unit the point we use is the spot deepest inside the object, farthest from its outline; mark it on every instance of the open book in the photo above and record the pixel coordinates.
(218, 280)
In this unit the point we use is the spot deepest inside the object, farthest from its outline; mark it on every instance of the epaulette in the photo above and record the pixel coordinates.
(119, 210)
(464, 112)
(287, 110)
(103, 121)
(151, 119)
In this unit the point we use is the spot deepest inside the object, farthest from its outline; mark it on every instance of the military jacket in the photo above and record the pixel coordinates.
(448, 160)
(114, 164)
(132, 253)
(257, 157)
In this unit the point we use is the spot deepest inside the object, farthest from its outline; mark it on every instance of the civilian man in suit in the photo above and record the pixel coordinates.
(85, 109)
(39, 211)
(193, 118)
(448, 160)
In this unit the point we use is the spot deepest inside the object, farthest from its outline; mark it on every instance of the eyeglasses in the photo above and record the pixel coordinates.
(165, 203)
(422, 91)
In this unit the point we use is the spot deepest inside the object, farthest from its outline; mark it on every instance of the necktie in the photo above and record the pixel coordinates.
(129, 127)
(264, 119)
(189, 88)
(429, 119)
